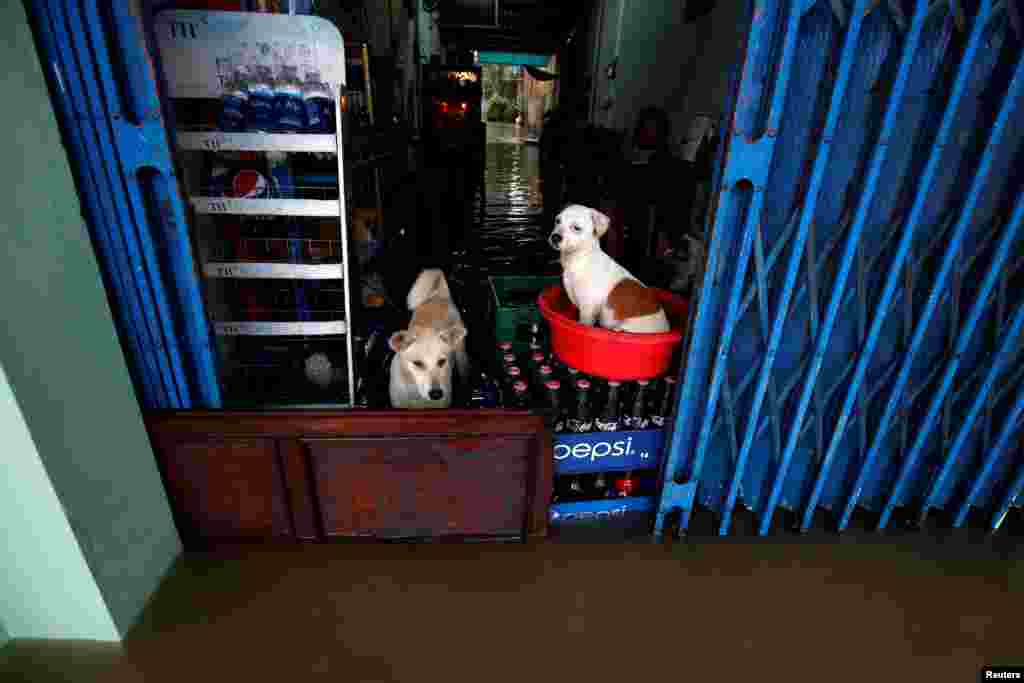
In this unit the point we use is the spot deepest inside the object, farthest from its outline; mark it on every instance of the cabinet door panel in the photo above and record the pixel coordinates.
(421, 486)
(227, 489)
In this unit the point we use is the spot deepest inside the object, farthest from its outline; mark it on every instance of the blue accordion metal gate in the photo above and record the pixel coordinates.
(857, 341)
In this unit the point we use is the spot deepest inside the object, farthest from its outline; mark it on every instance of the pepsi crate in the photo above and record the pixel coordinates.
(514, 303)
(608, 451)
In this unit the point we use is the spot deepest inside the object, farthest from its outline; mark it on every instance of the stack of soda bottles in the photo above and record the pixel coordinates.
(575, 403)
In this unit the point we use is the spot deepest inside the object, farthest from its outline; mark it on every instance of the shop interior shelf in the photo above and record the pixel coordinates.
(313, 208)
(274, 271)
(277, 250)
(215, 141)
(281, 328)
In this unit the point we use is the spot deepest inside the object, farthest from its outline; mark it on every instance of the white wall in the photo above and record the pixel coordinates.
(604, 26)
(717, 37)
(653, 49)
(651, 45)
(46, 587)
(63, 363)
(682, 68)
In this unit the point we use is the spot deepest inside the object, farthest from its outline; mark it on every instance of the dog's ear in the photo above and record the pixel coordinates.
(601, 222)
(454, 335)
(401, 340)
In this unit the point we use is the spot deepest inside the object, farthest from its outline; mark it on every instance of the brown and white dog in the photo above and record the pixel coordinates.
(596, 284)
(421, 369)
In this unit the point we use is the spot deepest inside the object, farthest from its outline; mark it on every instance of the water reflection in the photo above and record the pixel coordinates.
(510, 236)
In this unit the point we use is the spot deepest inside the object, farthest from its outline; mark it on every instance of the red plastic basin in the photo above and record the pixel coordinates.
(620, 356)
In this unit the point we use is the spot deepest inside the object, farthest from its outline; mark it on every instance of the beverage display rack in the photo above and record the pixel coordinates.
(275, 257)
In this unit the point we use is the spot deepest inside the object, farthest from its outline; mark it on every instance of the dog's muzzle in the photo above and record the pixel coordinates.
(555, 240)
(436, 394)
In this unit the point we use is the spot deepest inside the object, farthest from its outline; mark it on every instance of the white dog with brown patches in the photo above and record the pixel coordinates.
(599, 287)
(421, 369)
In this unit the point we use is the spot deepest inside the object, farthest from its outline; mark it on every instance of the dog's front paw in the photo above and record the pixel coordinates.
(588, 316)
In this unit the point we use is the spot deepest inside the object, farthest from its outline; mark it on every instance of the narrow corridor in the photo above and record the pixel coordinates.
(508, 233)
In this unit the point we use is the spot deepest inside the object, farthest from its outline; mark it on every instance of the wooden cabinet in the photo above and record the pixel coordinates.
(315, 476)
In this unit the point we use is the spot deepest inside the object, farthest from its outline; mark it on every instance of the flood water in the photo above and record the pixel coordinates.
(508, 231)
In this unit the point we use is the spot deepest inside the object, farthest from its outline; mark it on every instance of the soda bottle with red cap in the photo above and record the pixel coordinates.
(664, 411)
(520, 396)
(609, 419)
(567, 488)
(557, 365)
(543, 375)
(553, 405)
(570, 375)
(536, 337)
(634, 484)
(527, 365)
(512, 375)
(557, 491)
(625, 486)
(637, 418)
(581, 422)
(537, 359)
(561, 491)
